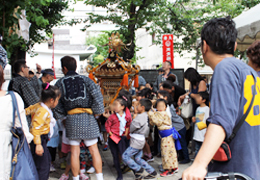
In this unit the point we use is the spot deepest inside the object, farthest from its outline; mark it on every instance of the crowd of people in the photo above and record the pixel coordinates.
(70, 116)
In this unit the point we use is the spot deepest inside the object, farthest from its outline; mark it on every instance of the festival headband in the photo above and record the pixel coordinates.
(124, 98)
(48, 85)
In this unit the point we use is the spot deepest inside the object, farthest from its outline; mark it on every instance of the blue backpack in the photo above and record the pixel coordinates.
(23, 167)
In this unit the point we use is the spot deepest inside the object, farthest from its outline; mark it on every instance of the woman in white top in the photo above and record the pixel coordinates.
(6, 122)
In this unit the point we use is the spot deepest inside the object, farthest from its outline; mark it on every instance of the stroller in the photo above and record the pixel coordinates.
(227, 176)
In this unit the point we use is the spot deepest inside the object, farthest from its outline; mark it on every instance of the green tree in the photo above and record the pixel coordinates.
(42, 14)
(102, 51)
(182, 18)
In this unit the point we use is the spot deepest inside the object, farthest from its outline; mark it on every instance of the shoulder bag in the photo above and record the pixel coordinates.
(23, 167)
(223, 154)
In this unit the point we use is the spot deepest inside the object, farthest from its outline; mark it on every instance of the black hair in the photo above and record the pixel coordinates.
(205, 96)
(220, 34)
(49, 92)
(169, 63)
(146, 103)
(151, 84)
(126, 96)
(193, 76)
(161, 100)
(146, 92)
(167, 85)
(69, 62)
(31, 73)
(253, 52)
(45, 72)
(160, 70)
(166, 94)
(18, 65)
(171, 78)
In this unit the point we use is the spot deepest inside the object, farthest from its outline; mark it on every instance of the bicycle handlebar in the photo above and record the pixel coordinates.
(231, 176)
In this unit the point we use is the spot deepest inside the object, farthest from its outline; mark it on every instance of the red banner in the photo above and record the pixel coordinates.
(168, 55)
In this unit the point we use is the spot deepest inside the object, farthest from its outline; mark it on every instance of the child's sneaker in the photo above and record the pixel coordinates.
(166, 173)
(64, 177)
(83, 177)
(151, 176)
(138, 174)
(105, 147)
(91, 170)
(52, 169)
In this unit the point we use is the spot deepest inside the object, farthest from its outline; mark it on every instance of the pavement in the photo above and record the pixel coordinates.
(109, 171)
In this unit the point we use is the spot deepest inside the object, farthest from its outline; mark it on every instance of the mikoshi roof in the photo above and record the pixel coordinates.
(248, 27)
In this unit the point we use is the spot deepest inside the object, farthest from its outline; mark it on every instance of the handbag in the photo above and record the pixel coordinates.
(223, 153)
(22, 167)
(187, 108)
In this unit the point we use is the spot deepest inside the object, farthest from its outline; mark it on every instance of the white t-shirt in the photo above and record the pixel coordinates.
(202, 114)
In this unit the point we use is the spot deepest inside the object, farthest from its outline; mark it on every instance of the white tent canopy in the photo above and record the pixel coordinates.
(248, 27)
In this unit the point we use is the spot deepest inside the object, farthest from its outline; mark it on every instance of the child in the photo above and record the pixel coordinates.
(178, 124)
(117, 125)
(202, 113)
(40, 127)
(168, 152)
(139, 128)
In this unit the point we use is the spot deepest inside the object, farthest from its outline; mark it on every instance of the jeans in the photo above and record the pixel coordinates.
(139, 162)
(183, 153)
(197, 147)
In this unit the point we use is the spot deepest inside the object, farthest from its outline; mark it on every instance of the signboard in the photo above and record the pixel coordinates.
(167, 41)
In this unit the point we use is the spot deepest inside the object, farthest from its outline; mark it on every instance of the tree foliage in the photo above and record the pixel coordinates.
(42, 14)
(182, 18)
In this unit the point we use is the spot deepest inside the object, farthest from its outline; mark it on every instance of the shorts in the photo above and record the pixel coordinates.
(87, 142)
(65, 148)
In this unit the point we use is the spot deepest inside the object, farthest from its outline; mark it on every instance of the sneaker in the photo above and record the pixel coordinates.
(150, 159)
(105, 147)
(161, 168)
(138, 174)
(166, 173)
(63, 165)
(91, 170)
(64, 177)
(176, 170)
(83, 176)
(52, 169)
(151, 176)
(147, 159)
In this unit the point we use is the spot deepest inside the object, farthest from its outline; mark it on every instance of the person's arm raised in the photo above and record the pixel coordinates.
(214, 137)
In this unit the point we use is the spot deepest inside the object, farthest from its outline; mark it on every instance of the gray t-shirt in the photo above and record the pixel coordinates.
(140, 127)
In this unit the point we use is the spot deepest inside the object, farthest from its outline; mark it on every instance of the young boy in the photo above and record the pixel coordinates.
(139, 128)
(202, 114)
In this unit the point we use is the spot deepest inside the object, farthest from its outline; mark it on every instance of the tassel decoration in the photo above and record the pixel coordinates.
(125, 80)
(136, 81)
(91, 76)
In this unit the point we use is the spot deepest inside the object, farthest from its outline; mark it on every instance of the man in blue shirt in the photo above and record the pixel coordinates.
(231, 93)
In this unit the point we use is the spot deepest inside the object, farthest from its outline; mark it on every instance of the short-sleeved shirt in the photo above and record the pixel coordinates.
(202, 113)
(231, 94)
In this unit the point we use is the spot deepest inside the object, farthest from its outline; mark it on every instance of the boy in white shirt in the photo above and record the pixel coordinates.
(202, 113)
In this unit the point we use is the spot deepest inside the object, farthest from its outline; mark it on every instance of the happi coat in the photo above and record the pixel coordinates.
(79, 91)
